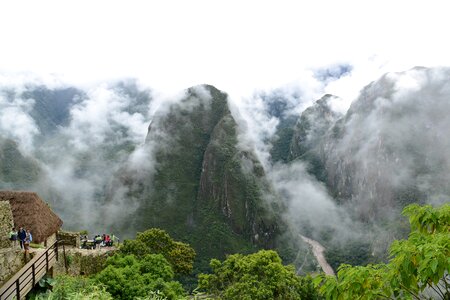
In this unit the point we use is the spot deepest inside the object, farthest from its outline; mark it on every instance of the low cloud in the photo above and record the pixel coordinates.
(15, 121)
(310, 209)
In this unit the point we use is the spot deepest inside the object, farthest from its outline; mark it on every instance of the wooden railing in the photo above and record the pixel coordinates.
(24, 280)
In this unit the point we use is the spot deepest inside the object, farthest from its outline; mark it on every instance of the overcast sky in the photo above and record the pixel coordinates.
(238, 46)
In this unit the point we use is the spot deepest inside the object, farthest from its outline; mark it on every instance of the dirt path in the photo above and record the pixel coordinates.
(318, 253)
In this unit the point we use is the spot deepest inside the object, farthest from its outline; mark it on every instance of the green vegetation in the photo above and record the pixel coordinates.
(353, 252)
(179, 255)
(16, 170)
(147, 265)
(128, 277)
(418, 268)
(205, 191)
(74, 288)
(145, 269)
(36, 246)
(256, 276)
(281, 144)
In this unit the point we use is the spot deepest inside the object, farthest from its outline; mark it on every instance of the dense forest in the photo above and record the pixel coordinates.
(153, 266)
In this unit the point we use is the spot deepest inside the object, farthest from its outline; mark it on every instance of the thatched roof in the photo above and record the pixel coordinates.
(30, 212)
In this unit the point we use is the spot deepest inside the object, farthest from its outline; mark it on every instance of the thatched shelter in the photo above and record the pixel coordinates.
(30, 212)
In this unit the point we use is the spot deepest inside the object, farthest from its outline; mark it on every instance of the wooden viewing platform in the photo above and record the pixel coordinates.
(27, 277)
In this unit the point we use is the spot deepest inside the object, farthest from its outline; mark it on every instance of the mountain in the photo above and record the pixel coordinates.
(202, 187)
(389, 150)
(76, 138)
(115, 158)
(394, 145)
(51, 108)
(17, 171)
(309, 138)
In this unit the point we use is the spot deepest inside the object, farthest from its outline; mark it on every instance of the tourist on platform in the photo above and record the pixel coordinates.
(13, 237)
(22, 235)
(107, 240)
(98, 240)
(28, 240)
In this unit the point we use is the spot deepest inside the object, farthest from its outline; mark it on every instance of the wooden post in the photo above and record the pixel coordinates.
(18, 289)
(46, 261)
(33, 271)
(65, 259)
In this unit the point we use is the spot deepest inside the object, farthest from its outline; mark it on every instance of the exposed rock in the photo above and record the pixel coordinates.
(82, 261)
(6, 224)
(11, 261)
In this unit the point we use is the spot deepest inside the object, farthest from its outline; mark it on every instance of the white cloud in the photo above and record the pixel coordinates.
(236, 46)
(15, 123)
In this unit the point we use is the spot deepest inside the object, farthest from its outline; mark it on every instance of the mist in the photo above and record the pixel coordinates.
(389, 149)
(79, 157)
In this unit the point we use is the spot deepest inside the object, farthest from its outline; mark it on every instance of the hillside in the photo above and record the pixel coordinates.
(201, 187)
(118, 158)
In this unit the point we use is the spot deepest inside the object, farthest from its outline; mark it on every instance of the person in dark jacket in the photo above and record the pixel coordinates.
(22, 237)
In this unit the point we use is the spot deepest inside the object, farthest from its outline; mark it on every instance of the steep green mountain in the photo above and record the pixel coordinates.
(192, 175)
(281, 143)
(203, 188)
(394, 148)
(388, 150)
(17, 171)
(280, 105)
(309, 134)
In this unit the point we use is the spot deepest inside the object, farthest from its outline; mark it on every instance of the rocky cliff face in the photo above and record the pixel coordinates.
(200, 186)
(231, 183)
(312, 132)
(390, 149)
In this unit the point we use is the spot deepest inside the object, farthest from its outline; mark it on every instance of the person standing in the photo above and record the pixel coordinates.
(28, 240)
(22, 236)
(13, 236)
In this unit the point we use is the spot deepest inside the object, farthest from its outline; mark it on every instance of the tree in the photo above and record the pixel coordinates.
(256, 276)
(418, 268)
(69, 287)
(127, 277)
(179, 255)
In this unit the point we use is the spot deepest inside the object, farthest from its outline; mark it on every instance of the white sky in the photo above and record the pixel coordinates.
(238, 46)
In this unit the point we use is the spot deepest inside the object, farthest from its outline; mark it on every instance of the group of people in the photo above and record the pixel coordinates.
(23, 236)
(98, 241)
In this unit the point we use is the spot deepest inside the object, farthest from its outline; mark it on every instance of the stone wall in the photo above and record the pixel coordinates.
(11, 261)
(50, 240)
(68, 238)
(81, 261)
(6, 224)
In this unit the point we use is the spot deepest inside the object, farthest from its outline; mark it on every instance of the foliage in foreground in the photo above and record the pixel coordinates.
(256, 276)
(74, 288)
(127, 277)
(144, 268)
(418, 268)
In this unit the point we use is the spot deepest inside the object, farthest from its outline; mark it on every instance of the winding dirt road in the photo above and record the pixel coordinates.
(318, 250)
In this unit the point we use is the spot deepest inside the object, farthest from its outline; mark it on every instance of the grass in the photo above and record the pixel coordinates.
(36, 246)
